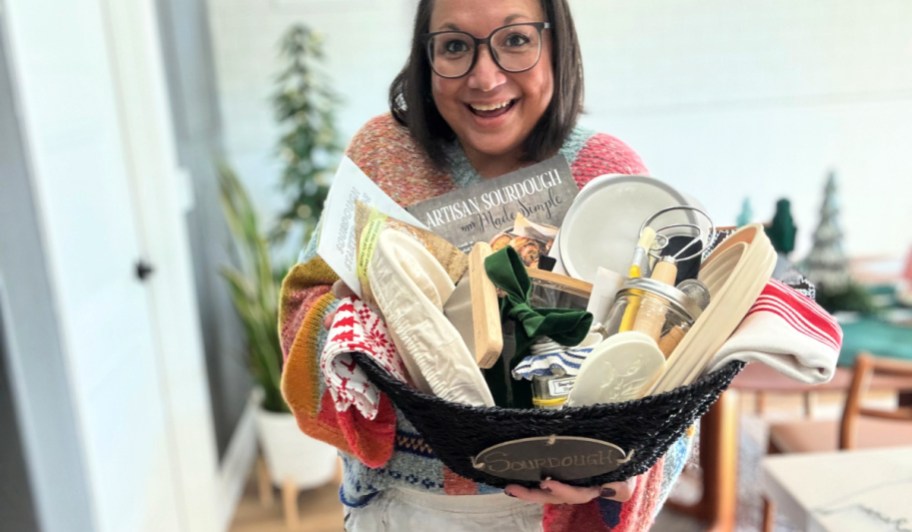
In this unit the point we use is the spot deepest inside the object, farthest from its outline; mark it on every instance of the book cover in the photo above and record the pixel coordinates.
(338, 241)
(523, 209)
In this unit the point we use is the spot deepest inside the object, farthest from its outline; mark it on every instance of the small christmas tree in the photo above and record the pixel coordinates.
(305, 105)
(827, 265)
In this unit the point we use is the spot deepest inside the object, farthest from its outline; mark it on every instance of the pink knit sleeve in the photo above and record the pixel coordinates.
(386, 151)
(604, 154)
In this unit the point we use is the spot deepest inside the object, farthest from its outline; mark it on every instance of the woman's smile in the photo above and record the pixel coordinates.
(491, 110)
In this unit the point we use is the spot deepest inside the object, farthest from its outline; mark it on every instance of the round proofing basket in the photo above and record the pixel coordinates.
(647, 426)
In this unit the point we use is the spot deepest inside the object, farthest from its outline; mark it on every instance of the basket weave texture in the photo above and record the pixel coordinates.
(647, 426)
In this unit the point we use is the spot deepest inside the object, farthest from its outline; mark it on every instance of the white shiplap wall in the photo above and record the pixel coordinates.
(722, 100)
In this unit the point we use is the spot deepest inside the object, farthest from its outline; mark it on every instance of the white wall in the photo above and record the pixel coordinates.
(722, 100)
(97, 144)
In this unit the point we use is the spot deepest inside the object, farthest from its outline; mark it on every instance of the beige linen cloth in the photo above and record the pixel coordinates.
(410, 286)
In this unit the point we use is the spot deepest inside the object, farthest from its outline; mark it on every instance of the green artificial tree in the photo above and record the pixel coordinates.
(782, 230)
(305, 107)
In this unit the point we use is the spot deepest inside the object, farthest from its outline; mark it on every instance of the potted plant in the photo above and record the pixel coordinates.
(290, 455)
(304, 105)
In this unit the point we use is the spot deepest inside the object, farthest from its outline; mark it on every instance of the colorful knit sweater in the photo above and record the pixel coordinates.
(388, 451)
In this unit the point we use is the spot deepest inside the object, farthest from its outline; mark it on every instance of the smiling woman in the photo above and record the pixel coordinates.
(502, 110)
(488, 88)
(492, 111)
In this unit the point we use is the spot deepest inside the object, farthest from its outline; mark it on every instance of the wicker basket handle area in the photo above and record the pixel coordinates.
(627, 438)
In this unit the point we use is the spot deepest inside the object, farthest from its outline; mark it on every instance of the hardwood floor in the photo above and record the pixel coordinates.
(319, 510)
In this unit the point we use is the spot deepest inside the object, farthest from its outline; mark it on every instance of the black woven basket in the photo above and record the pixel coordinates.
(646, 427)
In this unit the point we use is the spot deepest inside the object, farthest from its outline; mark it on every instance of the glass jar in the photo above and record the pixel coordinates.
(657, 309)
(550, 391)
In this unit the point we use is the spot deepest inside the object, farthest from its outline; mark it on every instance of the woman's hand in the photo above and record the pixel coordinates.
(554, 492)
(340, 290)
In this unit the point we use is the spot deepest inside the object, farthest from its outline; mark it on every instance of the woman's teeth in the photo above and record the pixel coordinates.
(493, 107)
(490, 109)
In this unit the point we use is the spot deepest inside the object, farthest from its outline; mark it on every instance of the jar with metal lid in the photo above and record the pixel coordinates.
(552, 369)
(655, 308)
(549, 391)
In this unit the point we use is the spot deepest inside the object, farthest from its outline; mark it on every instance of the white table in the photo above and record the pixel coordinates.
(854, 491)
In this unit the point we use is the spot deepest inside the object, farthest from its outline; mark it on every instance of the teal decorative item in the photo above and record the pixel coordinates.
(746, 215)
(782, 230)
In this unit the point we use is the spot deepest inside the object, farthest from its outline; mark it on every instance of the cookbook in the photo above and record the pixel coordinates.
(523, 209)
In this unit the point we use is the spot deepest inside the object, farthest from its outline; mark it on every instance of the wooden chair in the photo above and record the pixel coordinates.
(718, 457)
(859, 426)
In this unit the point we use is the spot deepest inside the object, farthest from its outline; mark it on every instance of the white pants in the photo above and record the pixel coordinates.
(401, 510)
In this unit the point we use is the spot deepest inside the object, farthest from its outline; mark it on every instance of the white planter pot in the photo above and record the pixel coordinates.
(291, 454)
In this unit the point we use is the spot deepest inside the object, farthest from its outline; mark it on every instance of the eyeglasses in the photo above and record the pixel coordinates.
(514, 48)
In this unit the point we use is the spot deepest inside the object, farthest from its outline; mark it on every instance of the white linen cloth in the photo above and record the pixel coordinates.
(410, 287)
(356, 328)
(788, 332)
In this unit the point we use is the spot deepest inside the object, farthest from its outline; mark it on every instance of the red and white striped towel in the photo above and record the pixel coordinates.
(788, 332)
(356, 328)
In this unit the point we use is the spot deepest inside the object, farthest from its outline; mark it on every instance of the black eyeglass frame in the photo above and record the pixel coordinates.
(427, 37)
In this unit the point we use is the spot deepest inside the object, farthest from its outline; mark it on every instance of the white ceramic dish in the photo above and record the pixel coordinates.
(618, 369)
(601, 227)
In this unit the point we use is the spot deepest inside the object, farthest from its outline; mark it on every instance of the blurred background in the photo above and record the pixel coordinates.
(135, 135)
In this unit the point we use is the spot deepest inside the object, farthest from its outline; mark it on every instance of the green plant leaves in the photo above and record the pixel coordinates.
(253, 286)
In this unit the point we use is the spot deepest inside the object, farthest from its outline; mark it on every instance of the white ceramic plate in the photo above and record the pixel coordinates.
(601, 227)
(617, 370)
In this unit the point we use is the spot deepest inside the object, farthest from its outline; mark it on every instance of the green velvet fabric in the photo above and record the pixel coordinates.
(565, 326)
(522, 324)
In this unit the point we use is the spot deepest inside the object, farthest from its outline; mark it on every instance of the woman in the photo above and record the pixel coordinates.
(488, 88)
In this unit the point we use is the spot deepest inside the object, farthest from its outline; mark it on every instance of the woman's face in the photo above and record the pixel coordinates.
(490, 110)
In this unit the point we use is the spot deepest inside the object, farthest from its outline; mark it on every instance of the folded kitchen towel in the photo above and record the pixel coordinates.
(561, 361)
(356, 328)
(788, 332)
(548, 358)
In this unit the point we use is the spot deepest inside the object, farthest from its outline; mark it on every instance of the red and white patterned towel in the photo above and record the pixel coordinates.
(787, 331)
(356, 328)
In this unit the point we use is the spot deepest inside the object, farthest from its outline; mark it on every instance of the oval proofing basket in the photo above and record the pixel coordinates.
(646, 427)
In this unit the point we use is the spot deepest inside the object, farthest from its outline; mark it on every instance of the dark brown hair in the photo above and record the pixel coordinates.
(411, 103)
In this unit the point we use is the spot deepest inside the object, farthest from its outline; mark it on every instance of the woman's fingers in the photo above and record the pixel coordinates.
(328, 319)
(619, 491)
(554, 492)
(340, 290)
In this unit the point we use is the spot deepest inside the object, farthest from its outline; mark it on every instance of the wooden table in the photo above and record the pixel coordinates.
(761, 379)
(852, 491)
(717, 506)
